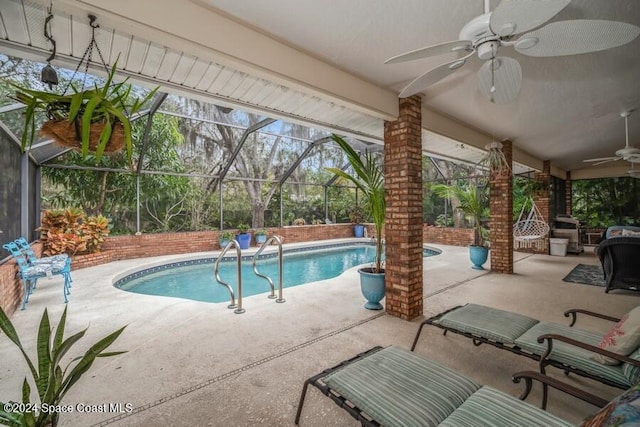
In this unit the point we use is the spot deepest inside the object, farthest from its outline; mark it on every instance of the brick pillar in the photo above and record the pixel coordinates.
(403, 226)
(501, 216)
(543, 200)
(568, 197)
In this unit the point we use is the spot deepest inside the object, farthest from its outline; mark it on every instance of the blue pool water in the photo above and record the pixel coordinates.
(195, 279)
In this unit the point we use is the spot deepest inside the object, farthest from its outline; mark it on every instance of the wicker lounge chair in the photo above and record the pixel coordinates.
(395, 387)
(551, 344)
(619, 257)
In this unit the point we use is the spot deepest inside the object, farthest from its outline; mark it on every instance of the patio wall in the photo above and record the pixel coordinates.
(148, 245)
(447, 236)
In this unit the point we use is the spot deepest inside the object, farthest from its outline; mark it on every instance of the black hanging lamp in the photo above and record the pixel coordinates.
(48, 74)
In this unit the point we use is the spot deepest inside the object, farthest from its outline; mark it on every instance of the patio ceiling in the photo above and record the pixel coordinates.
(318, 63)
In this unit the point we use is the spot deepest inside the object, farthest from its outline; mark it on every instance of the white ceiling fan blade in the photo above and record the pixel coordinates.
(601, 159)
(575, 37)
(501, 85)
(518, 16)
(614, 159)
(425, 52)
(432, 76)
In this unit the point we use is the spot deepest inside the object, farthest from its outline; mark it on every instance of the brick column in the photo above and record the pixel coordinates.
(543, 200)
(403, 226)
(501, 216)
(568, 197)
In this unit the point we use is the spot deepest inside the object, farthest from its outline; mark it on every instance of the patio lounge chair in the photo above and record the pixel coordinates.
(395, 387)
(29, 274)
(551, 344)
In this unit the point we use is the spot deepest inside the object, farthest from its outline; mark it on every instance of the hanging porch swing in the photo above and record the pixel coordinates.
(530, 231)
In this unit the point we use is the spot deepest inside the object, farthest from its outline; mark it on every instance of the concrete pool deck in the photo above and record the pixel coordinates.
(193, 363)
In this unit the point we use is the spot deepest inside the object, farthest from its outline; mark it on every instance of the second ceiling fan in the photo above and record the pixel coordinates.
(500, 77)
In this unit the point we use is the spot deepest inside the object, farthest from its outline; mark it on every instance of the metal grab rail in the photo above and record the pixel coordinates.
(255, 267)
(238, 306)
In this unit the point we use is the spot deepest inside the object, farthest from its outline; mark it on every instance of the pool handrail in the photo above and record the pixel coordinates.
(255, 267)
(238, 306)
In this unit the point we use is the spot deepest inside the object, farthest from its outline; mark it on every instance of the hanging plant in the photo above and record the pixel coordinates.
(93, 120)
(495, 159)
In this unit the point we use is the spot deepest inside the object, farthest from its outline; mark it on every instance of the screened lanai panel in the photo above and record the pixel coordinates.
(313, 167)
(10, 184)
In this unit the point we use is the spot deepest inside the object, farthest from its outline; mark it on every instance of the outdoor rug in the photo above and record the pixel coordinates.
(586, 274)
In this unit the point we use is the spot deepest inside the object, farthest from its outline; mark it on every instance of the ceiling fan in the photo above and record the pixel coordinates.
(500, 77)
(628, 153)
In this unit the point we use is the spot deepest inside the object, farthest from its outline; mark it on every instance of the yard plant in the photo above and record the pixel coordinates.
(51, 380)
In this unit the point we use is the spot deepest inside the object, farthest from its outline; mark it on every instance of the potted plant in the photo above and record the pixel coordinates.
(224, 238)
(94, 119)
(243, 236)
(261, 236)
(368, 177)
(52, 382)
(356, 216)
(495, 160)
(474, 204)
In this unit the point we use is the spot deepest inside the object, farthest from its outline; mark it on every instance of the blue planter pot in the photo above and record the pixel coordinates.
(244, 240)
(478, 256)
(261, 238)
(224, 243)
(358, 230)
(372, 287)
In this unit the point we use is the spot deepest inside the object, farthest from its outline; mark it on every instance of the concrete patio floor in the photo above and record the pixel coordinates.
(191, 363)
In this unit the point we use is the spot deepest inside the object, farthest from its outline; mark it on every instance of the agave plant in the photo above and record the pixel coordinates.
(108, 106)
(369, 178)
(50, 379)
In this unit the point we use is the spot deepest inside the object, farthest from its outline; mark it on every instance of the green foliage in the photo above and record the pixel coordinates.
(474, 203)
(356, 214)
(368, 177)
(261, 232)
(243, 228)
(169, 201)
(52, 382)
(109, 105)
(599, 203)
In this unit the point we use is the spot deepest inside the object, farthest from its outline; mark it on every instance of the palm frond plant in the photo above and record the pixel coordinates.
(368, 177)
(52, 382)
(90, 120)
(473, 203)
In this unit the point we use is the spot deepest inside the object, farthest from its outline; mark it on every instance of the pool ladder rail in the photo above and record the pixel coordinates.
(277, 240)
(234, 243)
(216, 270)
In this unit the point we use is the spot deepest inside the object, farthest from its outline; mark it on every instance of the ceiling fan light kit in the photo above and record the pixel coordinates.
(486, 34)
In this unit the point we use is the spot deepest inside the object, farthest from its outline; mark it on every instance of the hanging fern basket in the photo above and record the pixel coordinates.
(69, 134)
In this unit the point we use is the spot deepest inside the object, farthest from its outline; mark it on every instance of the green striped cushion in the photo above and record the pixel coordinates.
(400, 388)
(630, 372)
(571, 355)
(492, 408)
(490, 323)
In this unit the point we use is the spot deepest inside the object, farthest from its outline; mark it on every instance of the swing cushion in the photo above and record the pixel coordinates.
(530, 229)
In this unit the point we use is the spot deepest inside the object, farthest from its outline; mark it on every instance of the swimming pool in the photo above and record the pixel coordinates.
(194, 279)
